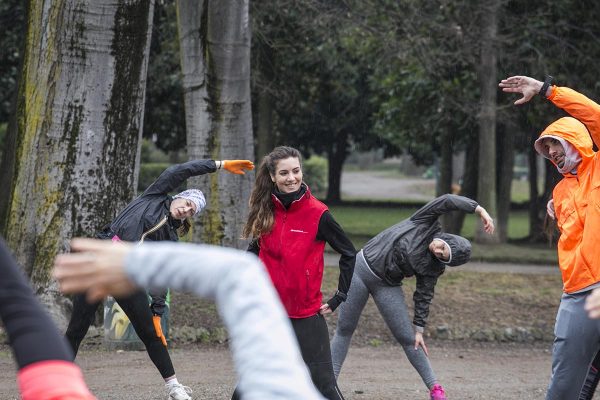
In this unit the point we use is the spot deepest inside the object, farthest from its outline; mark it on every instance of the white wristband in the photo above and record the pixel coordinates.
(219, 164)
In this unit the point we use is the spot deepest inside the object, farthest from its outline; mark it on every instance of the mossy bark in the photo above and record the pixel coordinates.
(215, 58)
(79, 116)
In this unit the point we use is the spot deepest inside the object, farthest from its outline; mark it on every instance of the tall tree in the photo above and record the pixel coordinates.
(486, 185)
(215, 56)
(73, 155)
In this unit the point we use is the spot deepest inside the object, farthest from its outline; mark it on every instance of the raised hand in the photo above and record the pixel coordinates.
(238, 166)
(96, 267)
(525, 85)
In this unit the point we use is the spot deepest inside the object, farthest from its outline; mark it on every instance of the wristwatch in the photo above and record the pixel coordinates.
(547, 83)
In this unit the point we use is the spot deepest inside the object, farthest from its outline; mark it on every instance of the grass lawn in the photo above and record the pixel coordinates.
(362, 223)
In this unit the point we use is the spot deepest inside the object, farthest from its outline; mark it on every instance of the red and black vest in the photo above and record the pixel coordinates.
(293, 255)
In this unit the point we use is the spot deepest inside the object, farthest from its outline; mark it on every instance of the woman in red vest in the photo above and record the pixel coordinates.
(289, 228)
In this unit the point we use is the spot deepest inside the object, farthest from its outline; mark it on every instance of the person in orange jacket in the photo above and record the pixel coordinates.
(568, 144)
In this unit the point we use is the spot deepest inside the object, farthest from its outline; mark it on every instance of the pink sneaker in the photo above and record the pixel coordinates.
(437, 393)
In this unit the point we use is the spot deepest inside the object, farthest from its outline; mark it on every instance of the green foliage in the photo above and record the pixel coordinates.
(164, 117)
(303, 54)
(12, 28)
(152, 154)
(315, 174)
(148, 174)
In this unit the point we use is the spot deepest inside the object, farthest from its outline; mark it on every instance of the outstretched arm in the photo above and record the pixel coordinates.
(264, 348)
(446, 203)
(177, 174)
(576, 104)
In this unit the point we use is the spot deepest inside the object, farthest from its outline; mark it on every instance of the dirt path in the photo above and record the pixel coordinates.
(377, 373)
(379, 185)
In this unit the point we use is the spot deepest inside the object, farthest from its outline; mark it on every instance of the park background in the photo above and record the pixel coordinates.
(391, 103)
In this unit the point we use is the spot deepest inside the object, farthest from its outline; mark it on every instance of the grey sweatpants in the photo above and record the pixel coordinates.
(576, 342)
(391, 305)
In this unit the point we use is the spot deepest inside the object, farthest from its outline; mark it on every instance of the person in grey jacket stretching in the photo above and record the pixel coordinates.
(265, 351)
(414, 247)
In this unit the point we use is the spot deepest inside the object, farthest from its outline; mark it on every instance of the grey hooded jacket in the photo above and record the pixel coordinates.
(402, 250)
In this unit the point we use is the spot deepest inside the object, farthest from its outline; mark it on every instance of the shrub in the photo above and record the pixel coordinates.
(148, 174)
(315, 174)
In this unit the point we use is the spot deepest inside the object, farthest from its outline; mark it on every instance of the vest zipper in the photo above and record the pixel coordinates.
(307, 285)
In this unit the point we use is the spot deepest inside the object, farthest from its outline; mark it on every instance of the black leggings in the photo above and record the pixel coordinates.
(313, 339)
(138, 311)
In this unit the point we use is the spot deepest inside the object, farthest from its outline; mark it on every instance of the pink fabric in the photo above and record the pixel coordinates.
(437, 393)
(116, 238)
(53, 380)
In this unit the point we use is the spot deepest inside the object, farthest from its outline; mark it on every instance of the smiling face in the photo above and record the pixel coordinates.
(440, 249)
(288, 175)
(555, 151)
(182, 208)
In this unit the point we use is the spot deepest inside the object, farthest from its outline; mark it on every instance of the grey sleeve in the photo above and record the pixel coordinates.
(422, 297)
(446, 203)
(265, 352)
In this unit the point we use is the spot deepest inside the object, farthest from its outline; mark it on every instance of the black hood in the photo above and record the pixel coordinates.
(460, 249)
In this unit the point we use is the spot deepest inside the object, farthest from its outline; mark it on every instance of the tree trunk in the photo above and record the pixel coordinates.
(265, 137)
(215, 56)
(506, 160)
(444, 179)
(486, 194)
(535, 223)
(444, 182)
(336, 157)
(79, 117)
(468, 187)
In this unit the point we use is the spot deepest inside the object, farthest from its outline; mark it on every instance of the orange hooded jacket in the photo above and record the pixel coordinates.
(577, 197)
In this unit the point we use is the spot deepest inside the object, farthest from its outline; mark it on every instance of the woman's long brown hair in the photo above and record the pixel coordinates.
(260, 217)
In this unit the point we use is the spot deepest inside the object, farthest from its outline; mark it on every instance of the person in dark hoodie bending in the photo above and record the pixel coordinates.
(414, 247)
(153, 216)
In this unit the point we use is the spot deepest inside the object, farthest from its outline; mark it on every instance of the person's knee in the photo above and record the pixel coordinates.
(345, 327)
(406, 340)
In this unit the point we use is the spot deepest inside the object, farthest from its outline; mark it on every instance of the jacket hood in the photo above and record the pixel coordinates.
(572, 131)
(460, 249)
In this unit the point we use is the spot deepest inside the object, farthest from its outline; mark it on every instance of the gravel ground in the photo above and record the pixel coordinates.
(467, 370)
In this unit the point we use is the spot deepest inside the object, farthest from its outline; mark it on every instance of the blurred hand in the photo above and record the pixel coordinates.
(525, 85)
(592, 304)
(550, 209)
(419, 341)
(96, 267)
(238, 166)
